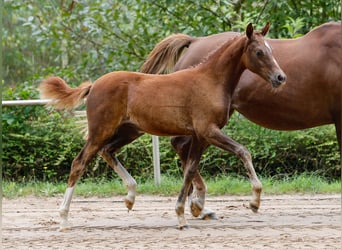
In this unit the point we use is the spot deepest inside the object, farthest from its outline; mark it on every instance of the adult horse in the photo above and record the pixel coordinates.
(311, 97)
(121, 106)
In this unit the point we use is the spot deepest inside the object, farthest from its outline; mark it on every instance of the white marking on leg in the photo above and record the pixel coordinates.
(256, 188)
(180, 215)
(197, 201)
(64, 208)
(130, 183)
(256, 184)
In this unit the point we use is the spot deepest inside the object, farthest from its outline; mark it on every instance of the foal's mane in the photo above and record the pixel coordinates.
(219, 47)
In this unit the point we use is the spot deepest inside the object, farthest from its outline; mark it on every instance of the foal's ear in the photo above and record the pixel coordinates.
(249, 30)
(265, 29)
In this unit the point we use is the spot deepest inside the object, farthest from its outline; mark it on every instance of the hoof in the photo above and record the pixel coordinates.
(253, 207)
(184, 227)
(64, 226)
(208, 216)
(196, 208)
(129, 204)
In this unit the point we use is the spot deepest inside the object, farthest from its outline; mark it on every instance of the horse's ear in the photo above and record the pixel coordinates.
(249, 30)
(265, 29)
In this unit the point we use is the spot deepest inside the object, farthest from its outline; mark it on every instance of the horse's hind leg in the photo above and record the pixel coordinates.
(197, 191)
(77, 169)
(217, 138)
(123, 136)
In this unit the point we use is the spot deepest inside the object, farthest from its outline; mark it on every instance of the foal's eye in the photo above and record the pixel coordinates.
(259, 53)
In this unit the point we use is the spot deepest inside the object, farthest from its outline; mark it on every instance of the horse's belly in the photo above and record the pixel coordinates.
(284, 119)
(298, 105)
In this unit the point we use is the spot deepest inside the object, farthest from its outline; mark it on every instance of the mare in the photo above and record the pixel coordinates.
(311, 96)
(121, 106)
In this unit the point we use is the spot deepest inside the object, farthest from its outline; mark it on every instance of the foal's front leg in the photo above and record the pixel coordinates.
(217, 138)
(196, 195)
(191, 169)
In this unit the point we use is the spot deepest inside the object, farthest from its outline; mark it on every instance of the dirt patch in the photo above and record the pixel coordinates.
(283, 222)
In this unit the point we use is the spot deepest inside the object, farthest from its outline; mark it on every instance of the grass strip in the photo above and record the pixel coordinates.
(222, 185)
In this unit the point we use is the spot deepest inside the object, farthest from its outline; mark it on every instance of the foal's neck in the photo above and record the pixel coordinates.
(225, 64)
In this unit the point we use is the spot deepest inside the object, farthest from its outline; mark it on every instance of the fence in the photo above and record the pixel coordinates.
(155, 139)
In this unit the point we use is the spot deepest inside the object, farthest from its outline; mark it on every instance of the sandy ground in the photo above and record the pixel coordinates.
(283, 222)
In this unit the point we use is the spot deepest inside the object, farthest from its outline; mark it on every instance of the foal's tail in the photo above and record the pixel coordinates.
(61, 95)
(165, 54)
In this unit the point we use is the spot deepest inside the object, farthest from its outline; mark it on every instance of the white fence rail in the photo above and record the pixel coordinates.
(155, 139)
(24, 102)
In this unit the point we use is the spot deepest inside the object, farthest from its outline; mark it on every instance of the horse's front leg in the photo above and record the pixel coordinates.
(217, 138)
(198, 189)
(195, 152)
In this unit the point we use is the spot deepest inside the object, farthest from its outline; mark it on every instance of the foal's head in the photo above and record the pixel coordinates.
(258, 57)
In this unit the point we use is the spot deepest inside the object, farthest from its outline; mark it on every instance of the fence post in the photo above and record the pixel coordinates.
(156, 160)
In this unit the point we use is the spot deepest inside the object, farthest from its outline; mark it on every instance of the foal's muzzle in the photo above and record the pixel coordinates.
(278, 79)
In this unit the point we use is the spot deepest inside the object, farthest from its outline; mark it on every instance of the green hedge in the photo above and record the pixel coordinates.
(40, 144)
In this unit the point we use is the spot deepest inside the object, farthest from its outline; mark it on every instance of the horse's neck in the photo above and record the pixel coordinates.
(225, 65)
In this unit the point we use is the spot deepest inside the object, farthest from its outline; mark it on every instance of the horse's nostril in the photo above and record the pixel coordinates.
(281, 78)
(278, 80)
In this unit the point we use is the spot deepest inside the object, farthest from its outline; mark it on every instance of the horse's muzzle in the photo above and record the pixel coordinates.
(278, 79)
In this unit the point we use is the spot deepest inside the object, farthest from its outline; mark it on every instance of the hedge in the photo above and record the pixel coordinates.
(40, 144)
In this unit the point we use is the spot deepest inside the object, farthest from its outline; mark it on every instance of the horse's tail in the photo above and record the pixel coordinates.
(61, 95)
(165, 54)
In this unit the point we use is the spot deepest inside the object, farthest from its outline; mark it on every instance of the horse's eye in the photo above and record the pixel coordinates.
(259, 53)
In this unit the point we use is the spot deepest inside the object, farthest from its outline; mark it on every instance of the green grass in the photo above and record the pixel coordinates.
(171, 186)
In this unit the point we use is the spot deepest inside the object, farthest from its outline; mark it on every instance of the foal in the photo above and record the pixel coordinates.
(121, 106)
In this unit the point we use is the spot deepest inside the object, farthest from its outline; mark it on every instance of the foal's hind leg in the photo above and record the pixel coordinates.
(197, 191)
(217, 138)
(125, 134)
(77, 169)
(124, 175)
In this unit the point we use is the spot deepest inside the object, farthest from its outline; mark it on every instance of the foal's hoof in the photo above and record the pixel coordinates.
(253, 207)
(129, 204)
(184, 227)
(64, 226)
(207, 214)
(196, 208)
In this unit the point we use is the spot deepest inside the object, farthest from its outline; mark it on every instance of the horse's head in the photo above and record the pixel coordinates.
(259, 59)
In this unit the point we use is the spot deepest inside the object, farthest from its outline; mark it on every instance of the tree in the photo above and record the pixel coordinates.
(84, 39)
